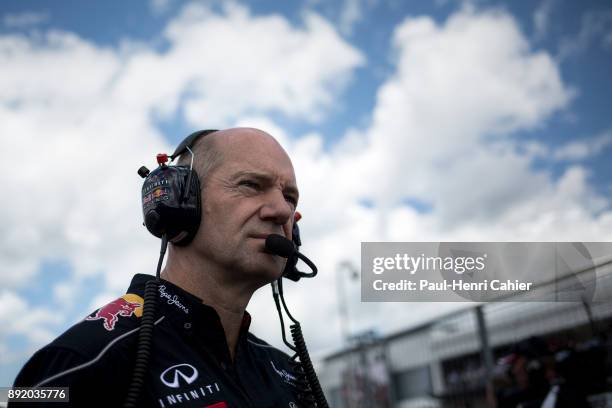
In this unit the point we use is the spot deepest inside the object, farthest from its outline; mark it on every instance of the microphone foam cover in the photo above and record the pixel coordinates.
(279, 245)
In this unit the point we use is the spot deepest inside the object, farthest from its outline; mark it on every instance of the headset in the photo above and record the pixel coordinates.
(171, 202)
(172, 210)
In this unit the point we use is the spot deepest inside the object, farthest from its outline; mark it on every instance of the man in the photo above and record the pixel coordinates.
(202, 354)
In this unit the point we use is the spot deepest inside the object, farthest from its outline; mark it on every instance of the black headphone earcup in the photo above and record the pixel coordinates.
(171, 196)
(191, 210)
(171, 203)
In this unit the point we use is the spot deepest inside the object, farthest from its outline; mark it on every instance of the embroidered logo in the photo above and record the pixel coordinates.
(179, 377)
(284, 375)
(172, 299)
(170, 376)
(126, 306)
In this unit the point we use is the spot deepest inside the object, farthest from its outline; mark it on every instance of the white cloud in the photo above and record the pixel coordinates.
(18, 318)
(231, 64)
(577, 150)
(439, 122)
(66, 203)
(23, 20)
(541, 18)
(583, 149)
(595, 28)
(352, 12)
(159, 6)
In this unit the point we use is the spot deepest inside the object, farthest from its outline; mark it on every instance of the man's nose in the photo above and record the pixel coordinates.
(276, 208)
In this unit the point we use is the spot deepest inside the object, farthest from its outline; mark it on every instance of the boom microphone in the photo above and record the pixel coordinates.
(281, 246)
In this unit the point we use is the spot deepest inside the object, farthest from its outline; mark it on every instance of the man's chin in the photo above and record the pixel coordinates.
(268, 269)
(271, 273)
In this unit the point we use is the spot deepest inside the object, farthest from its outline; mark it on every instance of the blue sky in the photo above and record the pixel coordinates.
(406, 121)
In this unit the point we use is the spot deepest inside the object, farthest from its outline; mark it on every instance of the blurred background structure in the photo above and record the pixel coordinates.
(504, 354)
(444, 120)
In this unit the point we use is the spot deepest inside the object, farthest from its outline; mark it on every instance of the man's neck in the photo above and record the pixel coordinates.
(229, 301)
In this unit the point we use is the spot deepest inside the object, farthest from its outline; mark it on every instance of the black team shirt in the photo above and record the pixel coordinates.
(190, 364)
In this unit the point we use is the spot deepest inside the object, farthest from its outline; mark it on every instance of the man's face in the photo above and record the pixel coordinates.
(250, 195)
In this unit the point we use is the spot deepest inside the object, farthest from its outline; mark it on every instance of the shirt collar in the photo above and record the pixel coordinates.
(188, 312)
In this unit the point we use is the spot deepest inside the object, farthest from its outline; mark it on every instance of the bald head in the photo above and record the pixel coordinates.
(236, 137)
(213, 149)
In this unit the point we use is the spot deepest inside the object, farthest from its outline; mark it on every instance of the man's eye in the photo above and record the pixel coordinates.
(292, 200)
(249, 183)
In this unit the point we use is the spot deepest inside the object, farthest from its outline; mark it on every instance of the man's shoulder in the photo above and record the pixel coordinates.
(261, 347)
(104, 327)
(275, 360)
(107, 333)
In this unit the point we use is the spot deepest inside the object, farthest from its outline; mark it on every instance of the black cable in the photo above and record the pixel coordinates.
(309, 372)
(145, 335)
(275, 295)
(312, 393)
(282, 297)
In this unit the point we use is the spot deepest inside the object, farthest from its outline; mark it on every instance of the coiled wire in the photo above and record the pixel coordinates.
(316, 395)
(145, 335)
(310, 392)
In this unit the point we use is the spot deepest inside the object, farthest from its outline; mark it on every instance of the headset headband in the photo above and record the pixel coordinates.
(189, 141)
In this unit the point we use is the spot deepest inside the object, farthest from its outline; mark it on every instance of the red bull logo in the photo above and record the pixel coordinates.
(126, 305)
(159, 192)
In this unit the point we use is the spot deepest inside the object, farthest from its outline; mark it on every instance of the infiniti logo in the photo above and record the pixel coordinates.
(170, 376)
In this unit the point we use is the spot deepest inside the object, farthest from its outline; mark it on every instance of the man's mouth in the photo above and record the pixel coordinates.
(264, 235)
(261, 242)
